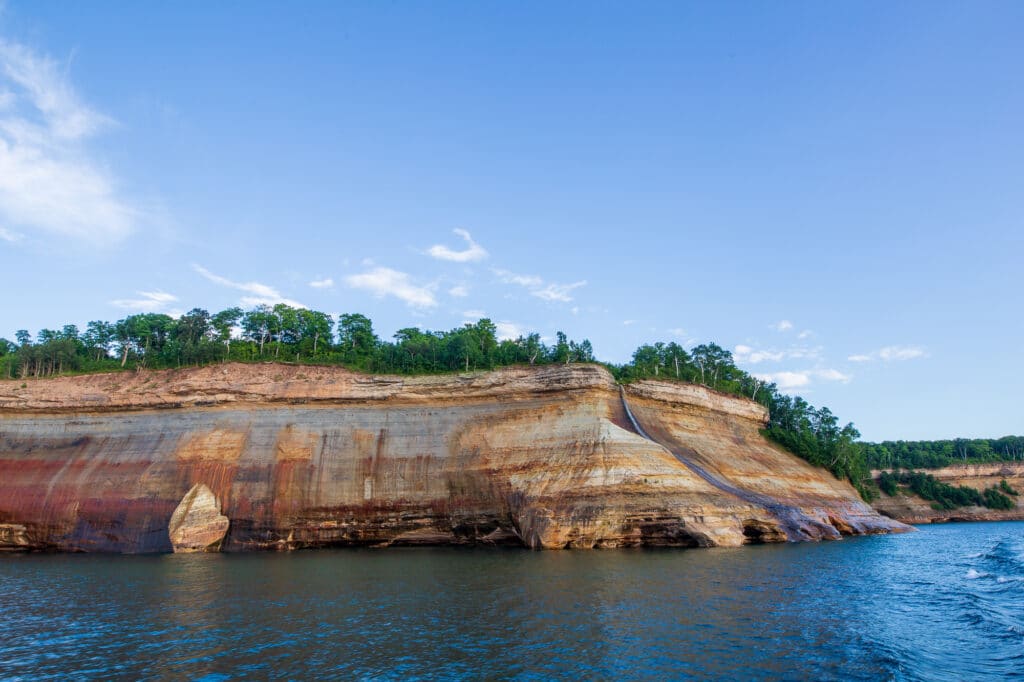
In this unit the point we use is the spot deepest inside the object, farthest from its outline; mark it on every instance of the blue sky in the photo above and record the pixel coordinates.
(833, 192)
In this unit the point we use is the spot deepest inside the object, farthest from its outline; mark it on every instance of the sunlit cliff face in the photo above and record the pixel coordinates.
(297, 457)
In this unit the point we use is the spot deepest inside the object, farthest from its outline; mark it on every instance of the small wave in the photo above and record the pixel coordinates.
(1006, 553)
(1003, 579)
(974, 575)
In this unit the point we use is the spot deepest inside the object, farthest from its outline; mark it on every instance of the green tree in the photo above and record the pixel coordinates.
(314, 327)
(356, 339)
(223, 324)
(98, 337)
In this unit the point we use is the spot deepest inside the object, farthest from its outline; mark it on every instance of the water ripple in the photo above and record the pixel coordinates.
(945, 603)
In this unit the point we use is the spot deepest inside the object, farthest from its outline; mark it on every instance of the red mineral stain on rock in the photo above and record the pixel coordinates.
(293, 457)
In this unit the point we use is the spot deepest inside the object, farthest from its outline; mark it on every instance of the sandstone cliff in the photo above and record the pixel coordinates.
(913, 509)
(242, 457)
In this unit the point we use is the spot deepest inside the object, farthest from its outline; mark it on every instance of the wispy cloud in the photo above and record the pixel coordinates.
(832, 375)
(528, 281)
(472, 253)
(325, 283)
(786, 381)
(147, 302)
(793, 380)
(509, 330)
(9, 235)
(48, 181)
(474, 315)
(782, 326)
(890, 354)
(901, 353)
(381, 281)
(259, 294)
(748, 355)
(558, 292)
(536, 286)
(459, 291)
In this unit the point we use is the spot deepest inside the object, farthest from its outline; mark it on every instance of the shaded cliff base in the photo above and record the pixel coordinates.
(912, 509)
(244, 457)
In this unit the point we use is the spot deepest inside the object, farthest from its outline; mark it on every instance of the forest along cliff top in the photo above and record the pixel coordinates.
(234, 383)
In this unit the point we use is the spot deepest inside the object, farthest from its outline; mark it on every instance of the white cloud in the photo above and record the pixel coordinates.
(382, 281)
(528, 281)
(626, 323)
(832, 375)
(747, 354)
(547, 291)
(782, 326)
(890, 354)
(473, 252)
(325, 283)
(805, 334)
(786, 381)
(678, 332)
(148, 302)
(509, 330)
(474, 315)
(901, 353)
(459, 291)
(259, 294)
(558, 292)
(9, 236)
(792, 380)
(48, 182)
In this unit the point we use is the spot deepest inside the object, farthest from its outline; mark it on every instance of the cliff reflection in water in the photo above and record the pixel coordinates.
(903, 607)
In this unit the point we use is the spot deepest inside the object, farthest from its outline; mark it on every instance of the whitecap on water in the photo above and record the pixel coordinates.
(974, 575)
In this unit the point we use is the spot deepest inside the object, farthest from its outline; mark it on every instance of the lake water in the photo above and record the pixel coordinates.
(944, 603)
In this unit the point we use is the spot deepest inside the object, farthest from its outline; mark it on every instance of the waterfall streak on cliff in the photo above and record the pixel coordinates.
(790, 518)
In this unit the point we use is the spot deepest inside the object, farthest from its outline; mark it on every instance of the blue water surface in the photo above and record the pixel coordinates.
(945, 603)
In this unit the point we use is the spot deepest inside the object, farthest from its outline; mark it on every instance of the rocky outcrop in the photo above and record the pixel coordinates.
(287, 457)
(197, 524)
(910, 508)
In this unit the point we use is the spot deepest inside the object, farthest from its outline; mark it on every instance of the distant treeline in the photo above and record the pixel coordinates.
(286, 334)
(934, 454)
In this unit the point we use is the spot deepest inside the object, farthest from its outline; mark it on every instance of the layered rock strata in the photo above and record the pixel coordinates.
(910, 508)
(287, 457)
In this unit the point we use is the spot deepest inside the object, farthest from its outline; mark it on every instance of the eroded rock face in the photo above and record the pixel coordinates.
(14, 538)
(913, 509)
(295, 457)
(197, 524)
